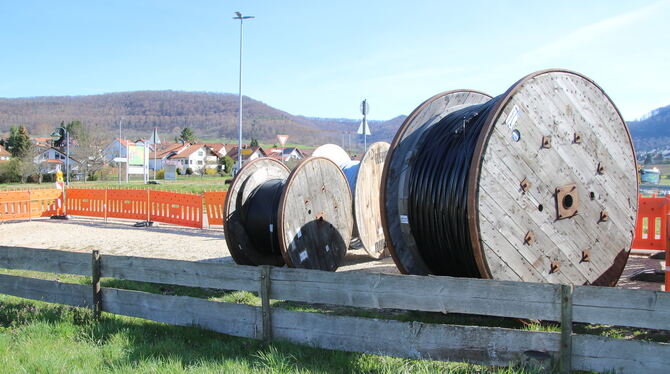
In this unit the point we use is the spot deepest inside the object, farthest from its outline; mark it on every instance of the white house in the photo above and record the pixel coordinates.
(50, 158)
(163, 152)
(117, 148)
(4, 155)
(248, 154)
(197, 157)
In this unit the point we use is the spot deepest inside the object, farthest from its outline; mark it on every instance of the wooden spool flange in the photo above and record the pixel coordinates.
(315, 219)
(553, 155)
(365, 185)
(397, 168)
(251, 176)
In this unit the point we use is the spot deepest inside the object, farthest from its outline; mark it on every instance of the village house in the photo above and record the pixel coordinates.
(4, 155)
(248, 154)
(197, 157)
(49, 159)
(285, 154)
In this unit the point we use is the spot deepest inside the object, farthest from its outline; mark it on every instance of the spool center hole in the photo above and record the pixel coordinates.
(567, 201)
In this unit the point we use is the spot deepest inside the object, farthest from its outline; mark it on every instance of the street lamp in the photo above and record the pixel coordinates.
(57, 134)
(239, 16)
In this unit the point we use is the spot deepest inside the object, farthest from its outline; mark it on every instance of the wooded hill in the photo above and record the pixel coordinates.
(210, 115)
(652, 131)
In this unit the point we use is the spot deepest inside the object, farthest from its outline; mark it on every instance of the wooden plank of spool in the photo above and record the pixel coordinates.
(397, 167)
(315, 218)
(251, 176)
(553, 104)
(366, 197)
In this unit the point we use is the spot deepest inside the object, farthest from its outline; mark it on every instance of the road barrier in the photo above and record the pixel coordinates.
(18, 205)
(214, 201)
(87, 202)
(175, 208)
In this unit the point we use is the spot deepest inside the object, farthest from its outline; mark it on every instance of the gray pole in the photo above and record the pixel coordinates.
(239, 124)
(67, 158)
(118, 164)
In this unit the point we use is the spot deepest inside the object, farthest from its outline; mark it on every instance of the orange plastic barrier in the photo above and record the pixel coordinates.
(214, 204)
(130, 204)
(14, 205)
(46, 203)
(86, 202)
(176, 208)
(650, 230)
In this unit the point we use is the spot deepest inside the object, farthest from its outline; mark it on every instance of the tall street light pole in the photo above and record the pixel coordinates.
(239, 16)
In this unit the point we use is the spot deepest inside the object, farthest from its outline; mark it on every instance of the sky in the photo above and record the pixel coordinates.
(321, 58)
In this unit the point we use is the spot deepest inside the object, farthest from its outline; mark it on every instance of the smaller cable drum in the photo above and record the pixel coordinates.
(365, 183)
(537, 184)
(300, 219)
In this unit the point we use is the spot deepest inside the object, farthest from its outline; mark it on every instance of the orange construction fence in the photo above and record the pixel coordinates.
(214, 201)
(176, 208)
(652, 230)
(15, 205)
(85, 202)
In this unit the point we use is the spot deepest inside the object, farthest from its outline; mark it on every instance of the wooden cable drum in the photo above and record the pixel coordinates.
(537, 184)
(365, 183)
(302, 219)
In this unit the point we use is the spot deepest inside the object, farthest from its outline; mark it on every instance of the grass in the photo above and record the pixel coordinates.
(36, 337)
(185, 184)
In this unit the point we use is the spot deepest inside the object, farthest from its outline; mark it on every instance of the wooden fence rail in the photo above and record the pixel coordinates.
(483, 345)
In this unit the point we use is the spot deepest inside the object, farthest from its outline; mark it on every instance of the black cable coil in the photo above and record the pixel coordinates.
(259, 216)
(438, 191)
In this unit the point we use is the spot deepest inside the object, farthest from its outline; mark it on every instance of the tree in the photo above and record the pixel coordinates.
(254, 143)
(187, 135)
(19, 141)
(227, 164)
(89, 147)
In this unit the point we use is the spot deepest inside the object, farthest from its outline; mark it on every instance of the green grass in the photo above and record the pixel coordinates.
(43, 338)
(185, 184)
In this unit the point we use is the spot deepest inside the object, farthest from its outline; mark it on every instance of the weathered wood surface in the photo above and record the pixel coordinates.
(183, 273)
(46, 290)
(483, 345)
(315, 216)
(397, 168)
(602, 354)
(232, 319)
(557, 105)
(45, 260)
(367, 211)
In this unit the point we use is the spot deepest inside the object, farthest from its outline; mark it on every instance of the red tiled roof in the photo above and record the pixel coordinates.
(184, 153)
(3, 152)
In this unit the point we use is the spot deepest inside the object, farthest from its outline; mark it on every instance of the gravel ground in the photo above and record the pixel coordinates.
(175, 242)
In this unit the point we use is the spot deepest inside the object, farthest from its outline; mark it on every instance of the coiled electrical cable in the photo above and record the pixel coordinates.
(259, 215)
(438, 191)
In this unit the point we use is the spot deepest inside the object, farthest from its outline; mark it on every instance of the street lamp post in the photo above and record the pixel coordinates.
(239, 16)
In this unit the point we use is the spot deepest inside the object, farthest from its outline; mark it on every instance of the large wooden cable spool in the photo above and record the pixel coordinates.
(365, 183)
(551, 187)
(307, 213)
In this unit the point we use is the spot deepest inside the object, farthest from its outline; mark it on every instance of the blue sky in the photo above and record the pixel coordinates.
(321, 58)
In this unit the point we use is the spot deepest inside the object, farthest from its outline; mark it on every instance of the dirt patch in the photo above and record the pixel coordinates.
(180, 243)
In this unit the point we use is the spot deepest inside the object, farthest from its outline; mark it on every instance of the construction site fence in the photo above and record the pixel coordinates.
(175, 208)
(651, 230)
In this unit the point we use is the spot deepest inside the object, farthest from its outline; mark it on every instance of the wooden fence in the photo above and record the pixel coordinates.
(482, 345)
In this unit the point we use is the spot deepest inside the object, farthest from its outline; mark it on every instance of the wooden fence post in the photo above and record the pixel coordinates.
(565, 360)
(95, 280)
(265, 303)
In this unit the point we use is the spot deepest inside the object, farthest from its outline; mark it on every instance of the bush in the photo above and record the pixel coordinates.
(189, 171)
(227, 162)
(10, 172)
(48, 178)
(210, 171)
(179, 172)
(160, 173)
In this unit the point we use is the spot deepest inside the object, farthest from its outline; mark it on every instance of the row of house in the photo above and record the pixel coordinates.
(197, 156)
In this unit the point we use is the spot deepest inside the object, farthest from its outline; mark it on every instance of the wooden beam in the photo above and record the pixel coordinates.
(95, 282)
(45, 290)
(565, 359)
(45, 260)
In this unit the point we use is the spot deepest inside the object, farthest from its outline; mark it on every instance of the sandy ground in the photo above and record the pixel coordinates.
(167, 241)
(162, 241)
